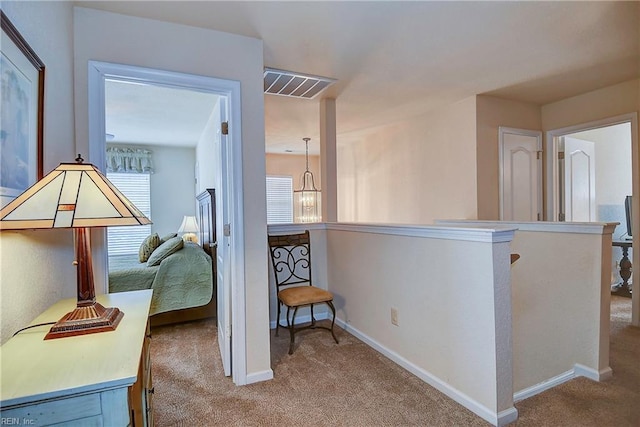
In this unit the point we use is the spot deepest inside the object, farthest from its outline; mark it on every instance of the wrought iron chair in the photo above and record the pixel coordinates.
(291, 260)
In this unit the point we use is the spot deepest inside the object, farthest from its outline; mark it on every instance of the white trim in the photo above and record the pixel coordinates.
(323, 315)
(592, 374)
(545, 385)
(497, 419)
(238, 285)
(294, 228)
(542, 226)
(230, 89)
(577, 371)
(507, 416)
(502, 232)
(524, 132)
(487, 235)
(257, 377)
(551, 145)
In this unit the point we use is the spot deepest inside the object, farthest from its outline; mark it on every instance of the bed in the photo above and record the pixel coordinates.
(181, 274)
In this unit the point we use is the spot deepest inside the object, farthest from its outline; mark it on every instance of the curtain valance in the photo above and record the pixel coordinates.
(129, 160)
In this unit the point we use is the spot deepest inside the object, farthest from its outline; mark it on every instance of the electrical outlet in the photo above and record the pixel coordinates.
(394, 316)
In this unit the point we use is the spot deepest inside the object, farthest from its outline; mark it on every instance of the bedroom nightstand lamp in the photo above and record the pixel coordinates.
(189, 228)
(78, 196)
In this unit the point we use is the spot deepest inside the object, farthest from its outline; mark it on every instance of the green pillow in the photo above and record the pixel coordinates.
(164, 250)
(167, 237)
(148, 246)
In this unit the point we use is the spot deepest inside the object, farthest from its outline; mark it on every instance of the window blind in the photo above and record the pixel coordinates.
(279, 199)
(137, 188)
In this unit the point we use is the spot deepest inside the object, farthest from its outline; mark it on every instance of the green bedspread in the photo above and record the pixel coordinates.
(182, 280)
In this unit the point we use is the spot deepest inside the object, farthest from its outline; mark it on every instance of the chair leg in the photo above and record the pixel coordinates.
(278, 317)
(292, 328)
(333, 321)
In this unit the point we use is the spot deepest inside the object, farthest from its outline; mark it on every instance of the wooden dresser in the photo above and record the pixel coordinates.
(99, 379)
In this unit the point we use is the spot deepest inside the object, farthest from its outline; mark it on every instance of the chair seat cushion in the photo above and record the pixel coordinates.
(303, 295)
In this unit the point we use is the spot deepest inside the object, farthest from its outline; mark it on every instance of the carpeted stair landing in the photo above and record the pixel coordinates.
(350, 384)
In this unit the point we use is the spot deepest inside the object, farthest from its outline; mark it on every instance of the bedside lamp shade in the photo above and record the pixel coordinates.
(78, 196)
(189, 228)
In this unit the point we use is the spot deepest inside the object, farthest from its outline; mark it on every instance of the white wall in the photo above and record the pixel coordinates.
(611, 101)
(173, 193)
(561, 302)
(414, 171)
(613, 171)
(613, 180)
(35, 266)
(453, 298)
(207, 157)
(115, 38)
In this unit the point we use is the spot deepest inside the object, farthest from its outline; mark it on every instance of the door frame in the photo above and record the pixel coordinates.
(552, 184)
(97, 73)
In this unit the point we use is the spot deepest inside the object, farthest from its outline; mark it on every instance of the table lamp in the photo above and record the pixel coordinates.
(78, 196)
(189, 228)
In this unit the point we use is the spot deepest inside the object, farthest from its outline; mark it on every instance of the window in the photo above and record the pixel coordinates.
(279, 199)
(137, 188)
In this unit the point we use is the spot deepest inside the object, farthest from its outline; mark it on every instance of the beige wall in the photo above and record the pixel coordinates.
(610, 101)
(411, 172)
(293, 165)
(491, 114)
(35, 266)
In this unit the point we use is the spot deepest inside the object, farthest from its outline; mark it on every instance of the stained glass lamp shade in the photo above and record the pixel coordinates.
(78, 196)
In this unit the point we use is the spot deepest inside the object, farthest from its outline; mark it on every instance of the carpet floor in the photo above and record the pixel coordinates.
(351, 384)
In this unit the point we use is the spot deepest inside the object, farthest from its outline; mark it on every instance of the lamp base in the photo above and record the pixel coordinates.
(190, 237)
(87, 319)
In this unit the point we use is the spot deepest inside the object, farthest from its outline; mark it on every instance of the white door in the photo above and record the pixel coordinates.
(224, 248)
(520, 174)
(579, 180)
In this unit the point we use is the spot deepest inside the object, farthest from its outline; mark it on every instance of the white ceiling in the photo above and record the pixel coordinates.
(154, 115)
(395, 59)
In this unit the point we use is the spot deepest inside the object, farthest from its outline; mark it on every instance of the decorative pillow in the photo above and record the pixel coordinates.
(164, 250)
(148, 246)
(167, 237)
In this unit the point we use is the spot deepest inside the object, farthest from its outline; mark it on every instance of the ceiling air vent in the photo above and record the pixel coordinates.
(288, 83)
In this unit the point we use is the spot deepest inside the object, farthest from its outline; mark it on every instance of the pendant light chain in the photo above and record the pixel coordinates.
(306, 155)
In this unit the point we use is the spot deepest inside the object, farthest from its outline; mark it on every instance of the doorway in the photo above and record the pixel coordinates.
(604, 153)
(230, 258)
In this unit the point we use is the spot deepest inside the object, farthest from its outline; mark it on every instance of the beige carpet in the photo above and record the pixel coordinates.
(350, 384)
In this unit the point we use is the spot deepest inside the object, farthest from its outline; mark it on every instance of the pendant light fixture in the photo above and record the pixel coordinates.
(307, 199)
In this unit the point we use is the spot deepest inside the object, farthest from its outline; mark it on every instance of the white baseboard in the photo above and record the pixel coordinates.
(577, 371)
(507, 417)
(303, 319)
(498, 419)
(257, 377)
(592, 374)
(545, 385)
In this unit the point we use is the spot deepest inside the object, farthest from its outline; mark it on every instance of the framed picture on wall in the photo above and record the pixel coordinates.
(21, 113)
